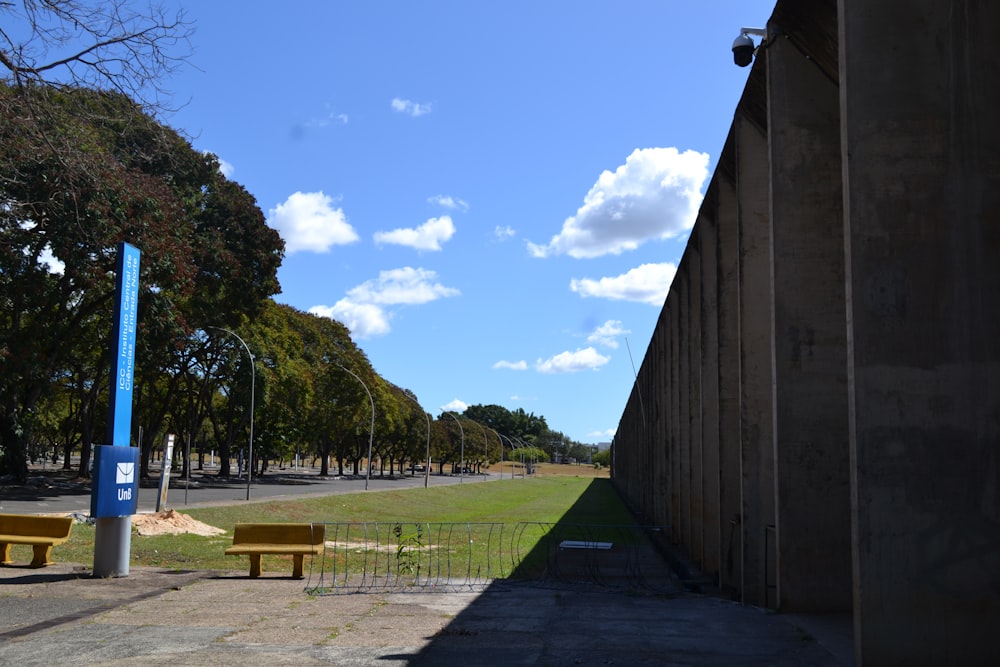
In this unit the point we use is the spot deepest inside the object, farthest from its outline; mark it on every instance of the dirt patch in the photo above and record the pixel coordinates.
(361, 547)
(571, 470)
(172, 522)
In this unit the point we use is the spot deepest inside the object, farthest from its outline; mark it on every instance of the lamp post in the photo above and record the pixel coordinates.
(461, 469)
(371, 429)
(486, 448)
(500, 438)
(513, 448)
(531, 455)
(427, 456)
(253, 375)
(501, 450)
(427, 460)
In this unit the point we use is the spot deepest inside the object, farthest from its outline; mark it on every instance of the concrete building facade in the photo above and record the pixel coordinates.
(817, 414)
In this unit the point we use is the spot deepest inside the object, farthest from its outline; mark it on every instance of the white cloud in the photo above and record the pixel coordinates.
(607, 334)
(654, 195)
(571, 362)
(455, 405)
(365, 309)
(309, 221)
(409, 107)
(406, 285)
(504, 233)
(364, 320)
(330, 117)
(427, 236)
(607, 433)
(512, 365)
(648, 283)
(447, 201)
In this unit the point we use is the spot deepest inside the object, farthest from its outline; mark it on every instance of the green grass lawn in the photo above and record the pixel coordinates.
(575, 500)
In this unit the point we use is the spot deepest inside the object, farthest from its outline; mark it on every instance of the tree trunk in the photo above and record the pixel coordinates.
(13, 459)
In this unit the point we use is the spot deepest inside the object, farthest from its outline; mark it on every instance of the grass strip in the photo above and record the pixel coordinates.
(547, 499)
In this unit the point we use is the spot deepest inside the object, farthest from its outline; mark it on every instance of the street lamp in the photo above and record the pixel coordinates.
(461, 469)
(500, 438)
(501, 450)
(486, 448)
(371, 429)
(253, 374)
(531, 457)
(427, 467)
(513, 447)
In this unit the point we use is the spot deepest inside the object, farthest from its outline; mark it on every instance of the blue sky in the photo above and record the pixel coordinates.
(492, 196)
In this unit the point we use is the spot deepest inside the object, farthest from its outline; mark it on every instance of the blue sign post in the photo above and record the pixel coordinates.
(115, 491)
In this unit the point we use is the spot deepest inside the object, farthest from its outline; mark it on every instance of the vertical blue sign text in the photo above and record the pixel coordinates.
(123, 346)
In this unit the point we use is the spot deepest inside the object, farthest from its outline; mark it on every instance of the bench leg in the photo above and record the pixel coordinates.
(5, 553)
(41, 555)
(254, 566)
(297, 566)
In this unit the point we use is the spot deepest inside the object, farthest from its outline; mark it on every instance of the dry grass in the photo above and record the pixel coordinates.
(563, 470)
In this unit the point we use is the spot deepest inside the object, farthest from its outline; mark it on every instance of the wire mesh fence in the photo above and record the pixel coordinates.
(441, 557)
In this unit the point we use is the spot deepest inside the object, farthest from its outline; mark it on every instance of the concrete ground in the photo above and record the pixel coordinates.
(61, 615)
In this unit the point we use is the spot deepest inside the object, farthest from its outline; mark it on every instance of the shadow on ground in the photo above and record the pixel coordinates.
(597, 590)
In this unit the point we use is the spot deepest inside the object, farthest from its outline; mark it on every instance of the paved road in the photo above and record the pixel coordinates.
(43, 495)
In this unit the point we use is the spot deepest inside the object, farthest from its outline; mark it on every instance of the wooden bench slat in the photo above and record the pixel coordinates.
(32, 539)
(273, 549)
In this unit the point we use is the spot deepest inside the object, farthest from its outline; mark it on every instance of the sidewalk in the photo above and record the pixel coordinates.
(61, 615)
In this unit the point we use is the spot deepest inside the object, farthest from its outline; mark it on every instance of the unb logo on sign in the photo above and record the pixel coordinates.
(125, 478)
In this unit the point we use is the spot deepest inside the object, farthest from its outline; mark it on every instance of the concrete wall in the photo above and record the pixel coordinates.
(820, 423)
(922, 218)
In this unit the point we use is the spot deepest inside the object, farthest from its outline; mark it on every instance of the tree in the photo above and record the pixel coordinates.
(335, 415)
(231, 410)
(107, 45)
(120, 175)
(602, 458)
(285, 391)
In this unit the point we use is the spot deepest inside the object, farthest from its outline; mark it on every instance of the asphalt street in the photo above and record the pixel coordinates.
(46, 494)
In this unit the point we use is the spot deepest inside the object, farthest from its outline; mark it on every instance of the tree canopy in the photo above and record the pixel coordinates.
(119, 175)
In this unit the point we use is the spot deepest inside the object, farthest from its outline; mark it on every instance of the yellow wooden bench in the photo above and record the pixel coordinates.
(294, 539)
(41, 532)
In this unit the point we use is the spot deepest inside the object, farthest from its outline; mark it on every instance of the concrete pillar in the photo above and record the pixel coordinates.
(708, 250)
(662, 431)
(812, 462)
(693, 255)
(684, 408)
(922, 194)
(676, 501)
(730, 576)
(648, 490)
(757, 473)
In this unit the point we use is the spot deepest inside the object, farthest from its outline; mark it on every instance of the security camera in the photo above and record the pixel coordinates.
(743, 49)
